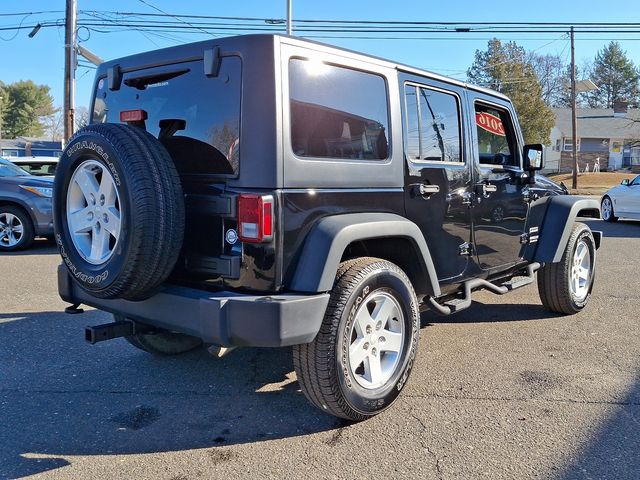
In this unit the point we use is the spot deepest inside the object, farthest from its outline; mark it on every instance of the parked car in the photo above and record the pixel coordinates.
(266, 190)
(502, 208)
(25, 207)
(40, 166)
(622, 201)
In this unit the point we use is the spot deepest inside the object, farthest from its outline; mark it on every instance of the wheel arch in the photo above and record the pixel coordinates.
(384, 235)
(555, 216)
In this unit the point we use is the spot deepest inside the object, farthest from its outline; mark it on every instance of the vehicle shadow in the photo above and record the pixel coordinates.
(491, 312)
(612, 451)
(619, 229)
(41, 246)
(60, 396)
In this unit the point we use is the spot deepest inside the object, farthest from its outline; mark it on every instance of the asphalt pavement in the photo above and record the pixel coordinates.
(504, 389)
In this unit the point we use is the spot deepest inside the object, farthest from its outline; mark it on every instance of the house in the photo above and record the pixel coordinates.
(30, 147)
(610, 136)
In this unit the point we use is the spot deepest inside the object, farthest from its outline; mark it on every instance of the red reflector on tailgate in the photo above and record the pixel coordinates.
(133, 116)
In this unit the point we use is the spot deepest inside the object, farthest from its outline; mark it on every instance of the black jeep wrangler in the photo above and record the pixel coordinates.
(269, 191)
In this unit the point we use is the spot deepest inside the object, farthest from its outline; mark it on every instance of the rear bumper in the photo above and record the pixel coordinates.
(223, 318)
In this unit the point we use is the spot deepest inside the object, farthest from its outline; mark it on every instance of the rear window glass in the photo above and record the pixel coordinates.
(337, 112)
(433, 125)
(197, 118)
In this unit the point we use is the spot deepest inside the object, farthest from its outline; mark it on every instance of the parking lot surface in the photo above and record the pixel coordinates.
(502, 390)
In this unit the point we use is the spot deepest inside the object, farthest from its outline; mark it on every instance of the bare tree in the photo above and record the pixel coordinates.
(53, 125)
(82, 117)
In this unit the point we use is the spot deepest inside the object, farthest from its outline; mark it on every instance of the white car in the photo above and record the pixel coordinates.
(40, 166)
(622, 201)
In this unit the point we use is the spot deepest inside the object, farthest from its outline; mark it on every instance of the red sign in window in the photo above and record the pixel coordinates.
(490, 123)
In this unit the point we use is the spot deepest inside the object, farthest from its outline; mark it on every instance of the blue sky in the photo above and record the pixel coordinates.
(41, 58)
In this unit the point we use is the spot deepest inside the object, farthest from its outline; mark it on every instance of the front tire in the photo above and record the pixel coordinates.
(16, 229)
(606, 207)
(565, 287)
(363, 355)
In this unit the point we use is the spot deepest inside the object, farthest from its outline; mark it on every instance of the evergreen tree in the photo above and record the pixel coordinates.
(505, 68)
(616, 76)
(24, 108)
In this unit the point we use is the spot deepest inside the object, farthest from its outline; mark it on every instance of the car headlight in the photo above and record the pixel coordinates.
(40, 191)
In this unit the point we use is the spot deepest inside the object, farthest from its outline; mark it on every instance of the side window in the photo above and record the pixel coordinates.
(636, 181)
(496, 140)
(337, 112)
(433, 125)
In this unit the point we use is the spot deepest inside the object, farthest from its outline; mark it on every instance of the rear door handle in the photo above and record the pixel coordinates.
(426, 189)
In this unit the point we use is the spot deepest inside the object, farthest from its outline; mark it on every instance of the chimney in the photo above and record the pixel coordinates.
(620, 108)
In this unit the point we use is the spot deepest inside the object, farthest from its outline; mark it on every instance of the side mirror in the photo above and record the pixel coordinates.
(625, 182)
(533, 157)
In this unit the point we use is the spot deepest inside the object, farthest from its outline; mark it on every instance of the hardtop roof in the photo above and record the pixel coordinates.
(187, 50)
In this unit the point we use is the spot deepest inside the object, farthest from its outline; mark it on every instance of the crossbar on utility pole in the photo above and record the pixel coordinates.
(289, 20)
(69, 67)
(574, 118)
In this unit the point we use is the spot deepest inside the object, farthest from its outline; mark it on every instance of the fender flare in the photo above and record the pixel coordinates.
(326, 242)
(558, 214)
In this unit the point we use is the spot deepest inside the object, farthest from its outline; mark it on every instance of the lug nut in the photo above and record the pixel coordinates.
(105, 218)
(379, 325)
(382, 339)
(366, 345)
(368, 329)
(374, 352)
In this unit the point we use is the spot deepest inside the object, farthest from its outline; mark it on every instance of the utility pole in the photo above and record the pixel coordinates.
(574, 118)
(69, 68)
(289, 9)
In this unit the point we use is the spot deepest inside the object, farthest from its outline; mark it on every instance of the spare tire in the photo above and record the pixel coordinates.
(118, 211)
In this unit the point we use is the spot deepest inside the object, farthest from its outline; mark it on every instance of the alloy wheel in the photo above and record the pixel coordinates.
(93, 212)
(377, 339)
(11, 230)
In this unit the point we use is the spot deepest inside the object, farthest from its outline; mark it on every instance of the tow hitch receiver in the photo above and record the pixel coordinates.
(108, 331)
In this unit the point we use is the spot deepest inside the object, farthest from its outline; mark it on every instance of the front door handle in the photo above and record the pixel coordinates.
(485, 189)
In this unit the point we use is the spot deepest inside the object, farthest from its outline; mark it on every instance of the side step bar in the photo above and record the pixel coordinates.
(470, 285)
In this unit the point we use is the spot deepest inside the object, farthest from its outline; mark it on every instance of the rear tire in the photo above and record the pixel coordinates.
(565, 287)
(16, 229)
(606, 208)
(365, 349)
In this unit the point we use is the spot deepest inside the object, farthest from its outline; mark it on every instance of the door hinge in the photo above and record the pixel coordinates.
(465, 249)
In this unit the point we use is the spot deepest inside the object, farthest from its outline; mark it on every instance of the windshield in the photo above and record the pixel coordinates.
(8, 169)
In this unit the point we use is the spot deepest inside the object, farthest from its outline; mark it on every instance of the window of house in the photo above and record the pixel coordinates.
(337, 112)
(433, 125)
(496, 137)
(568, 145)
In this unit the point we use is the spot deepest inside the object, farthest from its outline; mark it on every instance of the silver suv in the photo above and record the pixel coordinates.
(25, 207)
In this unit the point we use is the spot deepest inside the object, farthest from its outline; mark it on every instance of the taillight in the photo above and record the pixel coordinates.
(255, 218)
